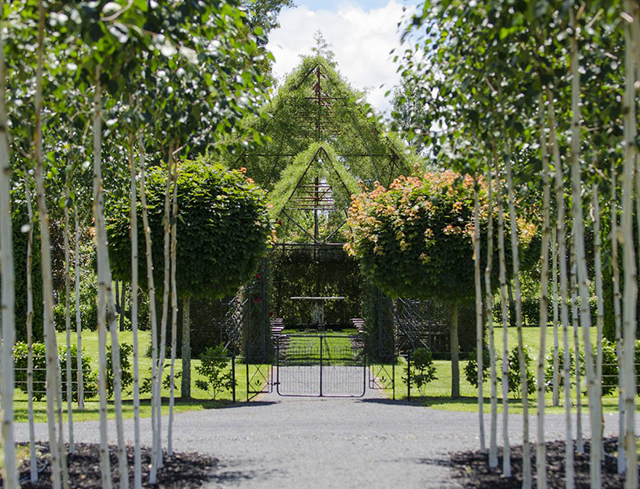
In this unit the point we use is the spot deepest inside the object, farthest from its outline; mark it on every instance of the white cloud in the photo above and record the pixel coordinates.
(361, 40)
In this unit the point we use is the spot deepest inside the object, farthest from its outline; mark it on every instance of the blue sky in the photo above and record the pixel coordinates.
(361, 33)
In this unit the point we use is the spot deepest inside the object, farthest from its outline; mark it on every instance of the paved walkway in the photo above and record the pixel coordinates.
(287, 442)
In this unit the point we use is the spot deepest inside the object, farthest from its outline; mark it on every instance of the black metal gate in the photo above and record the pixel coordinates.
(320, 365)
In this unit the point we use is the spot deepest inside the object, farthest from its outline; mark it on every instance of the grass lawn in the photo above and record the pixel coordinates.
(304, 347)
(437, 394)
(200, 399)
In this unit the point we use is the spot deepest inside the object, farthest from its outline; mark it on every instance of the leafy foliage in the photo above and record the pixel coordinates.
(514, 372)
(421, 369)
(471, 368)
(20, 356)
(213, 367)
(223, 229)
(126, 375)
(415, 239)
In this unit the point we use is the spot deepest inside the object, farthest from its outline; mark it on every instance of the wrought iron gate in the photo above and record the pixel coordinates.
(320, 366)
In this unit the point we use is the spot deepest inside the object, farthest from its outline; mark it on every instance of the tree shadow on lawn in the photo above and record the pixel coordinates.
(427, 401)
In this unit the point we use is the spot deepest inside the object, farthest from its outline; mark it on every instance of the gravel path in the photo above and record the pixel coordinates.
(293, 443)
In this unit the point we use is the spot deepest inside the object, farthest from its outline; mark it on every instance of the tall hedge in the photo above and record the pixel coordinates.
(223, 229)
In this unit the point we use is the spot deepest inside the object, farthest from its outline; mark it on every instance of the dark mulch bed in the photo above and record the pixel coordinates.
(182, 470)
(473, 469)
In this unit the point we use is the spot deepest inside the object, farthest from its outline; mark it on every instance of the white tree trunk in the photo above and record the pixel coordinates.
(617, 297)
(67, 314)
(9, 469)
(152, 306)
(133, 196)
(103, 283)
(506, 451)
(58, 468)
(78, 271)
(593, 385)
(600, 314)
(186, 346)
(541, 448)
(165, 303)
(629, 258)
(493, 435)
(479, 325)
(174, 308)
(526, 448)
(576, 345)
(564, 308)
(33, 467)
(556, 346)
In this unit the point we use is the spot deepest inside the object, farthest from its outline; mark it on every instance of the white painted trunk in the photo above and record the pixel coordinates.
(133, 197)
(576, 346)
(564, 307)
(103, 284)
(33, 467)
(617, 297)
(593, 384)
(67, 315)
(600, 314)
(556, 345)
(152, 306)
(186, 346)
(479, 325)
(629, 258)
(541, 449)
(493, 431)
(506, 451)
(51, 344)
(9, 468)
(526, 448)
(165, 304)
(78, 271)
(174, 308)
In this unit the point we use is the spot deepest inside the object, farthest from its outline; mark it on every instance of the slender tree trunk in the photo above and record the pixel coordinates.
(133, 197)
(165, 302)
(33, 466)
(103, 283)
(479, 321)
(629, 258)
(9, 469)
(600, 316)
(581, 263)
(541, 448)
(564, 308)
(526, 448)
(493, 436)
(556, 345)
(174, 308)
(152, 306)
(78, 271)
(67, 314)
(455, 363)
(51, 344)
(506, 450)
(123, 307)
(186, 347)
(576, 345)
(617, 297)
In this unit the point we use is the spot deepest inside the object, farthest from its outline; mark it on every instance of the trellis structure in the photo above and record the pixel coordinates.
(323, 146)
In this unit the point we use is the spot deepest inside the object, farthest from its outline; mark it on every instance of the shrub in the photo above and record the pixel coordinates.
(126, 376)
(421, 368)
(471, 369)
(213, 368)
(514, 372)
(20, 355)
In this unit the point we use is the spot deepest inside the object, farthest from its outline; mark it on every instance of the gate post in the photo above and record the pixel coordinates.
(233, 376)
(321, 341)
(409, 375)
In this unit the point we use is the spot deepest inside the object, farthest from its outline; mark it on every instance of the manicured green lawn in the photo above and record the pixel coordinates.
(438, 393)
(200, 399)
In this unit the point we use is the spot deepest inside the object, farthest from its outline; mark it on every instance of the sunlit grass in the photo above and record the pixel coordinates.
(200, 399)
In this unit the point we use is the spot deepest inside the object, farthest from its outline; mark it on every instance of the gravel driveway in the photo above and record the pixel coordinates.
(295, 443)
